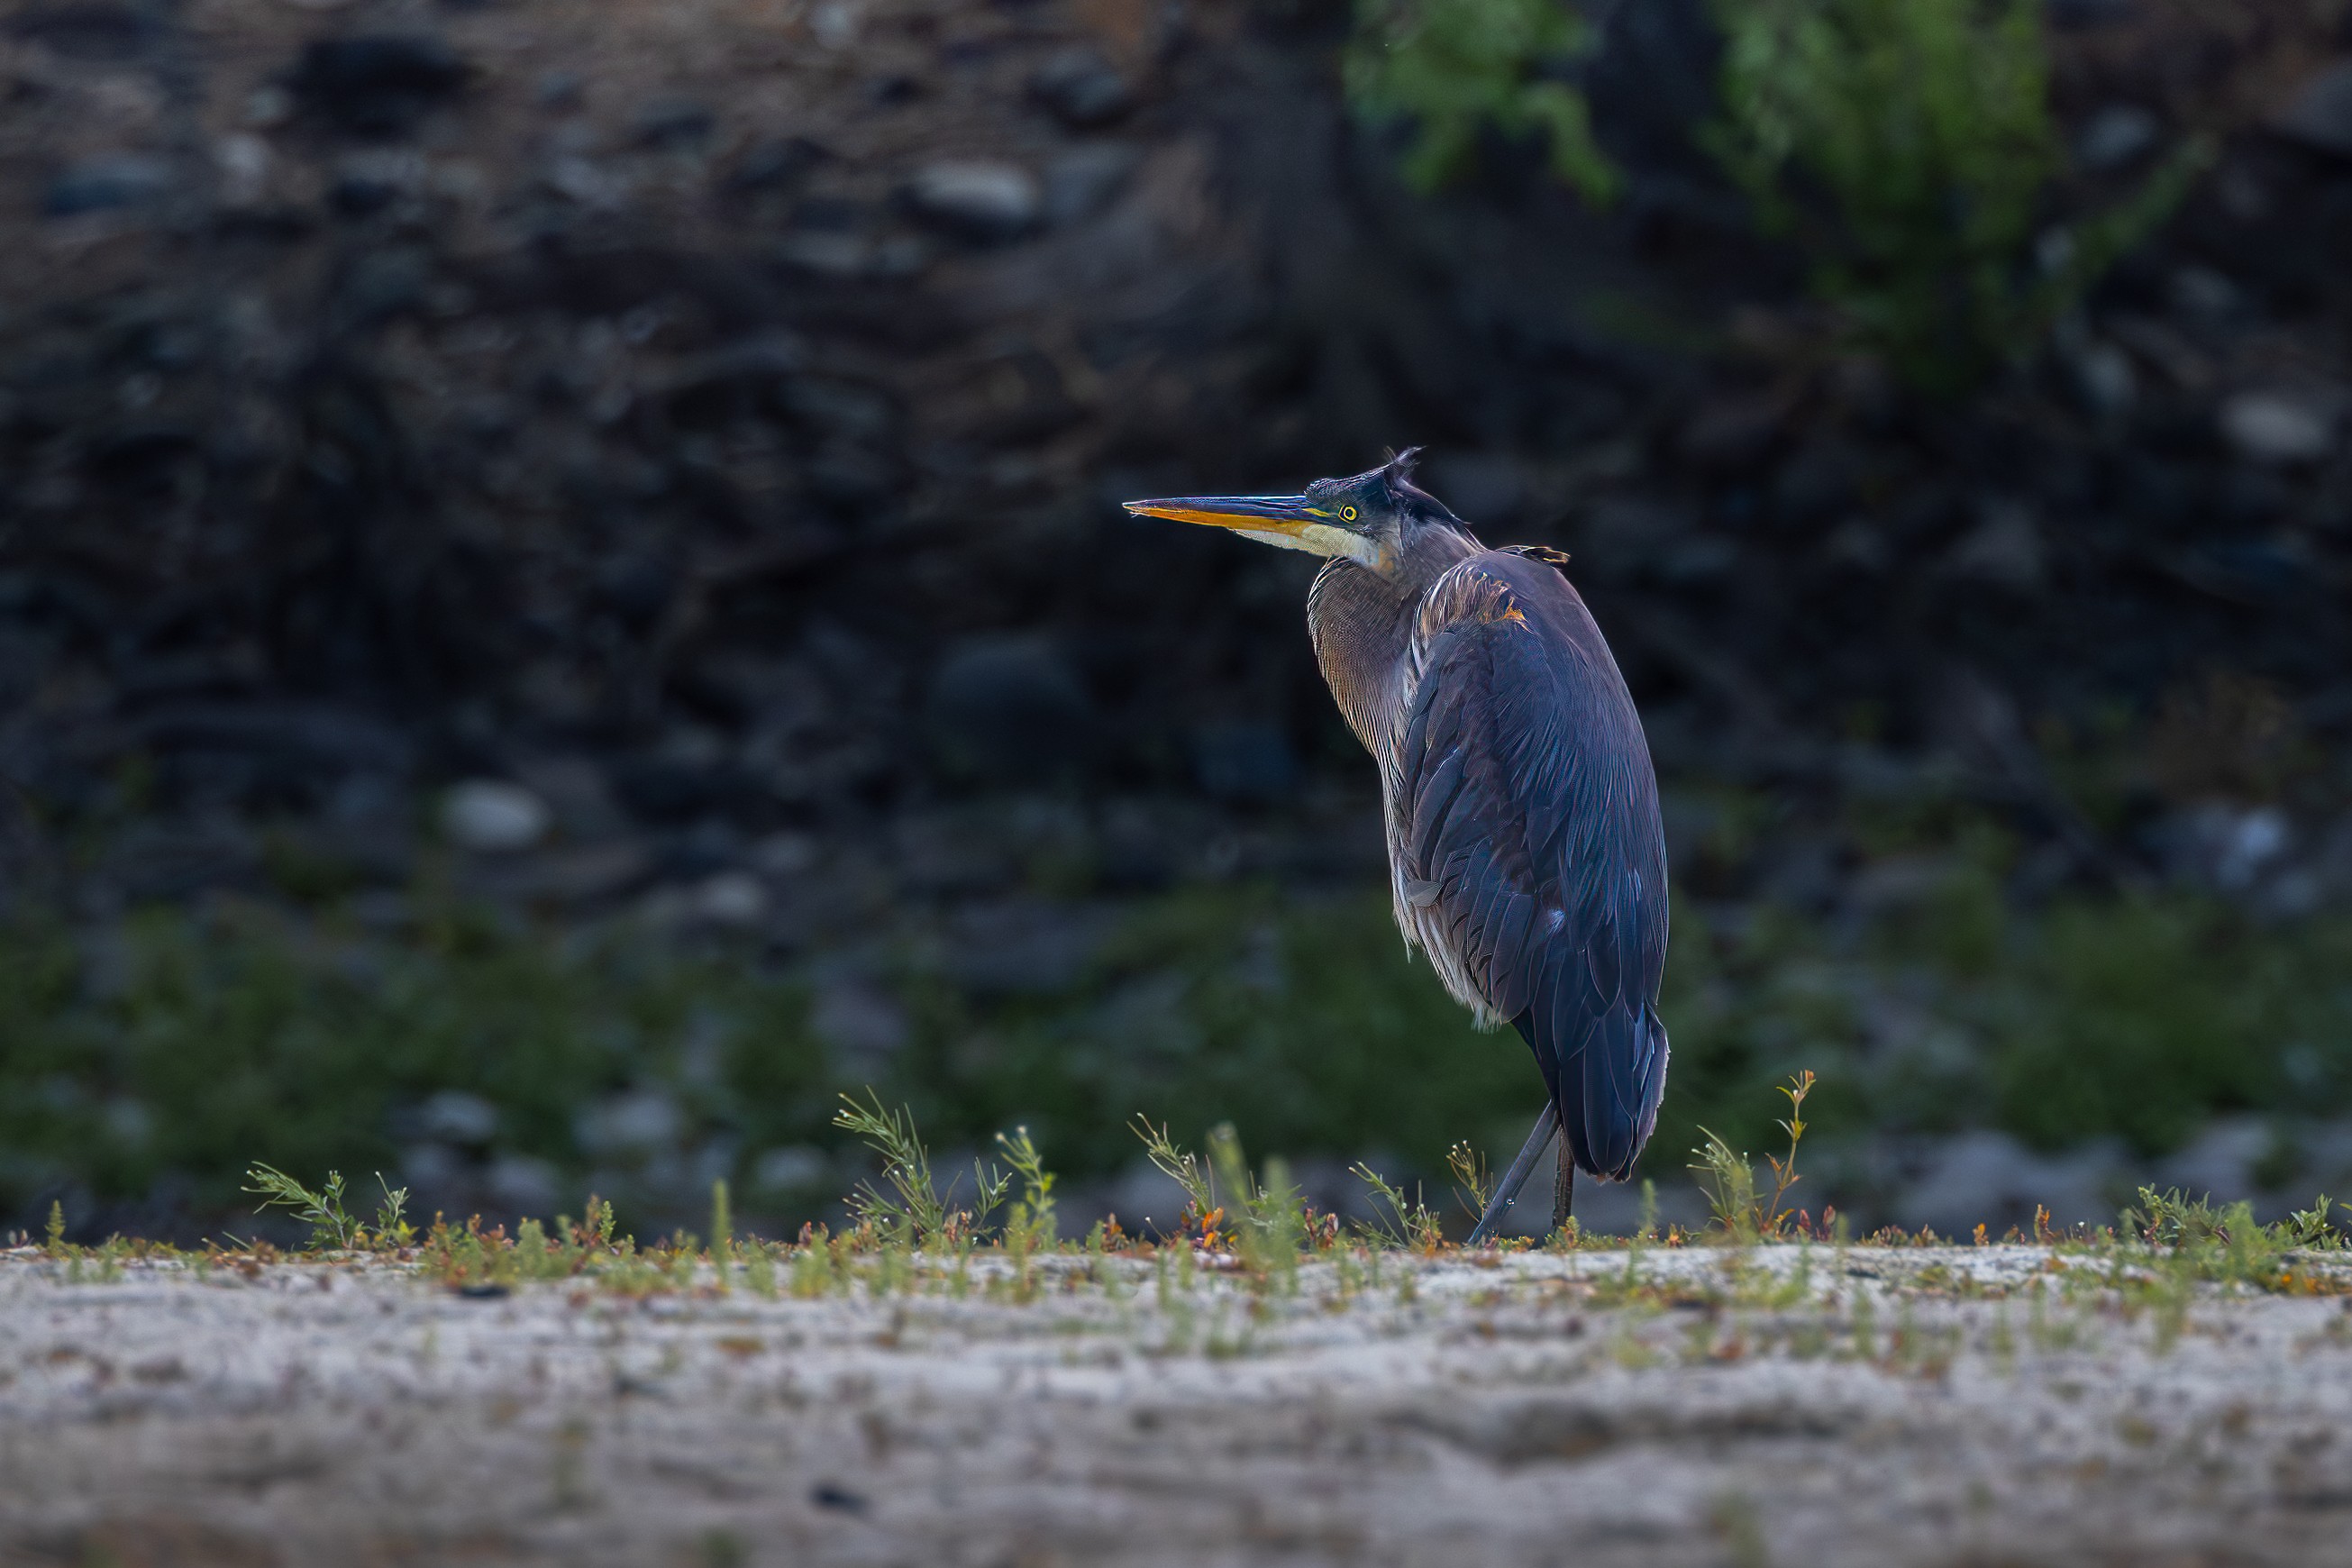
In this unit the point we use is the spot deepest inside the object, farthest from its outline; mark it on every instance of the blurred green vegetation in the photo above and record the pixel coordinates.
(1906, 148)
(170, 1063)
(1454, 67)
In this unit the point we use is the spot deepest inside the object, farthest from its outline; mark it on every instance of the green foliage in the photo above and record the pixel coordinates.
(1299, 1019)
(1908, 147)
(2248, 1250)
(332, 1224)
(2136, 1018)
(257, 1040)
(201, 1045)
(1454, 68)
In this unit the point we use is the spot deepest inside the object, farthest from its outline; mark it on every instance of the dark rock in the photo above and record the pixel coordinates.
(1009, 708)
(588, 875)
(1734, 432)
(377, 85)
(708, 389)
(2205, 295)
(106, 185)
(562, 90)
(2004, 551)
(1082, 90)
(100, 33)
(776, 164)
(280, 752)
(676, 123)
(669, 790)
(368, 182)
(1084, 179)
(382, 284)
(2320, 114)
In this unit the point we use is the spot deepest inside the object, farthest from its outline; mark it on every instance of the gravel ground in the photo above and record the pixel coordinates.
(1904, 1406)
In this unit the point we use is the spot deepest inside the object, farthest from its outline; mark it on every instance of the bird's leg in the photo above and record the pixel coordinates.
(1563, 1187)
(1517, 1176)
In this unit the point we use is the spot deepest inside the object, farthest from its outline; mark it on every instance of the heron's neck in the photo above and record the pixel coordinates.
(1361, 621)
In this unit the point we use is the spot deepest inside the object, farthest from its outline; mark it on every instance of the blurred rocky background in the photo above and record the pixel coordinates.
(562, 602)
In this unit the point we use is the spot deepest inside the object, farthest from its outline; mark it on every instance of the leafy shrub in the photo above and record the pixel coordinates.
(1907, 146)
(1454, 67)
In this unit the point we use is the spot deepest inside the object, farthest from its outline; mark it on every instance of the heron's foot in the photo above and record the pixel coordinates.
(1516, 1177)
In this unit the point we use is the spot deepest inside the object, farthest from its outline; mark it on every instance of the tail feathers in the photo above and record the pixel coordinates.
(1609, 1087)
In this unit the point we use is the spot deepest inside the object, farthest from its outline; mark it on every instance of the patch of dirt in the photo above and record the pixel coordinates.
(1933, 1409)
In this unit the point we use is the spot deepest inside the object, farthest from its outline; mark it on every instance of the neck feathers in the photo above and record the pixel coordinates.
(1362, 624)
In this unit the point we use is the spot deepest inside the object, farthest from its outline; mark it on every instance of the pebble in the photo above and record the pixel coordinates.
(105, 184)
(491, 817)
(1082, 90)
(2115, 136)
(453, 1116)
(732, 899)
(984, 200)
(794, 1168)
(2005, 550)
(637, 1122)
(2277, 428)
(2104, 374)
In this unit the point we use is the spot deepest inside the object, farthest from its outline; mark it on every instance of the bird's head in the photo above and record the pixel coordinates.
(1366, 518)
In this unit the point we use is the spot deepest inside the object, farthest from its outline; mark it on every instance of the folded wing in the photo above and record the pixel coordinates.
(1530, 862)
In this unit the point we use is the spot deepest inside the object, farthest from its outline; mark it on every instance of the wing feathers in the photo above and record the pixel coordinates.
(1526, 819)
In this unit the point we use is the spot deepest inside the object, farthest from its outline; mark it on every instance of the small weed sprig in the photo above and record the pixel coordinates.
(1408, 1223)
(1269, 1225)
(913, 1213)
(1473, 1180)
(1729, 1182)
(332, 1224)
(1029, 1223)
(1178, 1166)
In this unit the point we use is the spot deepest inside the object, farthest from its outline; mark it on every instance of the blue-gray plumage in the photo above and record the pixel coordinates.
(1525, 850)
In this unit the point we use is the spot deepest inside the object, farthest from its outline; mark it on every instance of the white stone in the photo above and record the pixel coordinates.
(794, 1168)
(636, 1122)
(731, 898)
(1002, 198)
(2277, 428)
(491, 817)
(453, 1116)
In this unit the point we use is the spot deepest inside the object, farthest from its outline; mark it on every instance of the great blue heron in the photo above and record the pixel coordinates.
(1525, 851)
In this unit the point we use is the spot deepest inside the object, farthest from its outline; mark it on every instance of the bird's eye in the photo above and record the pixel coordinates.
(1347, 514)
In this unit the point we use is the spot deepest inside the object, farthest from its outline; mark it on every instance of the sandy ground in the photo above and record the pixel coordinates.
(1913, 1406)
